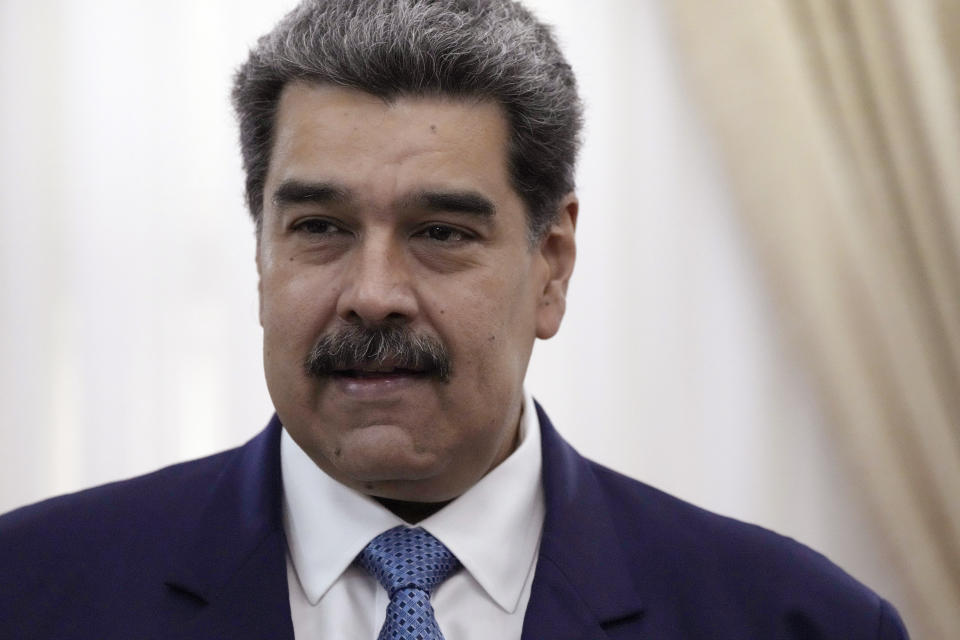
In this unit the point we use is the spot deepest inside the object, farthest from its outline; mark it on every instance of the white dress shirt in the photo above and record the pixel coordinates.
(494, 529)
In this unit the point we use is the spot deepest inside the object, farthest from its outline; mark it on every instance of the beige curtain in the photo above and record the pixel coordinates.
(839, 121)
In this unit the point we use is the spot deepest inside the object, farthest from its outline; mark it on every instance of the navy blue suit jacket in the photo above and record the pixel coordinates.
(197, 551)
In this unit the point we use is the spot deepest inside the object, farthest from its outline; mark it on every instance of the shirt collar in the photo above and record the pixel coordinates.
(493, 529)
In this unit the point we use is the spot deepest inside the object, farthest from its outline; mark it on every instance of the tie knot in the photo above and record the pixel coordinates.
(405, 557)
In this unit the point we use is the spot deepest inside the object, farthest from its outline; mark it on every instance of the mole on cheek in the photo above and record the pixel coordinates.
(433, 128)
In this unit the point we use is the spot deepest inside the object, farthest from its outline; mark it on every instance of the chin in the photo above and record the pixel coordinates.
(395, 467)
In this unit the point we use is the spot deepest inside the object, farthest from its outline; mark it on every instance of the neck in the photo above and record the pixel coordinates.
(412, 512)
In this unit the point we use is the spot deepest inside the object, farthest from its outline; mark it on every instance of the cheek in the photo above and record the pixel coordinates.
(293, 315)
(498, 327)
(295, 303)
(514, 306)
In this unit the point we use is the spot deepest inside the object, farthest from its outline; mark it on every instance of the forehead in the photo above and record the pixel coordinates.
(381, 147)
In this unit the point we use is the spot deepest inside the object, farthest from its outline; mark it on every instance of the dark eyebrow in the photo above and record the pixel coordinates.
(469, 202)
(293, 192)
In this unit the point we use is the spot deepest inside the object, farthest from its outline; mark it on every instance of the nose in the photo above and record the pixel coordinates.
(377, 287)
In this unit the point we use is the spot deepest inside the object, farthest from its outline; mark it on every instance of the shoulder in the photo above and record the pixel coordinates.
(84, 515)
(68, 553)
(678, 529)
(739, 574)
(114, 557)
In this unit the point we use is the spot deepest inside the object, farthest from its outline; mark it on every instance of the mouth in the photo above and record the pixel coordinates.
(378, 383)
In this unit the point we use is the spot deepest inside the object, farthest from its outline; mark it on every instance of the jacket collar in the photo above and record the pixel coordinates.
(228, 565)
(229, 557)
(582, 587)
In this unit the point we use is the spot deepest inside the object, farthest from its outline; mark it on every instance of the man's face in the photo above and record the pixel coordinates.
(401, 215)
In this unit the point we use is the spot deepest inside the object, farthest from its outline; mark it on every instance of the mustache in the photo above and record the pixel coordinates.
(357, 347)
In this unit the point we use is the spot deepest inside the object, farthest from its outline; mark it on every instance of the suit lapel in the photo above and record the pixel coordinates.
(582, 589)
(228, 561)
(228, 568)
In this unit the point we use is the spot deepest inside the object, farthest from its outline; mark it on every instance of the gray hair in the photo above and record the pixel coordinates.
(489, 49)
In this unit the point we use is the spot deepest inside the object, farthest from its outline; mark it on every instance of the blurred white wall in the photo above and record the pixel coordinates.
(128, 322)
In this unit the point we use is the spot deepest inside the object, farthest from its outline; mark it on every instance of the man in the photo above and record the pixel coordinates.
(410, 173)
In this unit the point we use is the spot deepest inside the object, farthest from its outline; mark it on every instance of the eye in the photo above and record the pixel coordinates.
(444, 233)
(316, 226)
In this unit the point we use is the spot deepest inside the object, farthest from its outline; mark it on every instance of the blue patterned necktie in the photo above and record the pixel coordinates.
(409, 563)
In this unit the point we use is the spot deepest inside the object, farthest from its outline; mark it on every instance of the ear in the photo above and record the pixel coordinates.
(558, 250)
